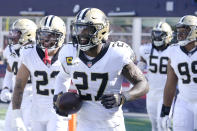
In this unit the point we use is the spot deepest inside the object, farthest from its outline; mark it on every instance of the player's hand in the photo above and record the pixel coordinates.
(165, 121)
(6, 95)
(17, 121)
(112, 100)
(55, 97)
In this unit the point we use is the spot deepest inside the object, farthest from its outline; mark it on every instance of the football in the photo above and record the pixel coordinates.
(69, 103)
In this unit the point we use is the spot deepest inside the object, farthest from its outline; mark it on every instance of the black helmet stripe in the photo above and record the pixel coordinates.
(82, 14)
(51, 20)
(48, 20)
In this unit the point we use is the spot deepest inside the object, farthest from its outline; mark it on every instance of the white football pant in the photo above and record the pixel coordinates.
(185, 117)
(153, 106)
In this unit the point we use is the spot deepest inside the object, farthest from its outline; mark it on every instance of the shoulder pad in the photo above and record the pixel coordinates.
(123, 49)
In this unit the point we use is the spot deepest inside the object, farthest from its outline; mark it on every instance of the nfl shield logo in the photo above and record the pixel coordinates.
(89, 64)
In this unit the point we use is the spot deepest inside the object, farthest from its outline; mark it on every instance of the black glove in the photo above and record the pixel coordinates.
(112, 100)
(165, 110)
(55, 97)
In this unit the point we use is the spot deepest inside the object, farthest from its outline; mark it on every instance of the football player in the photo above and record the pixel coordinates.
(154, 57)
(40, 60)
(23, 32)
(182, 70)
(97, 70)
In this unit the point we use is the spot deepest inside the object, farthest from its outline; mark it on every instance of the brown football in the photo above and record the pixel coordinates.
(69, 103)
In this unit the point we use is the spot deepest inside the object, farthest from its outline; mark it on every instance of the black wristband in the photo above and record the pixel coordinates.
(165, 110)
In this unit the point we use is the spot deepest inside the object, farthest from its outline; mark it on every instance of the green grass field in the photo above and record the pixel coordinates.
(137, 124)
(131, 123)
(2, 113)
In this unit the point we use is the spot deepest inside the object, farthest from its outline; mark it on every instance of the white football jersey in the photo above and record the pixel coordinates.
(95, 77)
(185, 66)
(43, 76)
(157, 62)
(13, 59)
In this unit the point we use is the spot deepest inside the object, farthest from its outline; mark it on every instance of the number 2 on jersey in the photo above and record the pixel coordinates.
(84, 86)
(44, 82)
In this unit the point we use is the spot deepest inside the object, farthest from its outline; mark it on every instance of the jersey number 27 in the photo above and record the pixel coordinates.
(84, 86)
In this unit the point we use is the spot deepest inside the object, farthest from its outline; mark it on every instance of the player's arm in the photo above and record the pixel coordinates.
(62, 84)
(170, 87)
(137, 78)
(140, 88)
(7, 82)
(7, 85)
(21, 80)
(169, 90)
(169, 93)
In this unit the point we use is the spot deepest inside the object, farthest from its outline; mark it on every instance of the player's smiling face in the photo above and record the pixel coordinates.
(48, 39)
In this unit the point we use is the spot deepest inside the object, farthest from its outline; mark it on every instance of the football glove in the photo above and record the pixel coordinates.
(112, 100)
(165, 121)
(17, 121)
(56, 107)
(6, 95)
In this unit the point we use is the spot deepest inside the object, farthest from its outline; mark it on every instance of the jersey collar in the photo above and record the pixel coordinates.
(42, 55)
(189, 53)
(90, 63)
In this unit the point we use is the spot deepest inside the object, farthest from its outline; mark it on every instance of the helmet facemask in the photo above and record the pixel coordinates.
(14, 38)
(186, 30)
(90, 28)
(161, 35)
(87, 35)
(159, 38)
(23, 32)
(183, 34)
(48, 39)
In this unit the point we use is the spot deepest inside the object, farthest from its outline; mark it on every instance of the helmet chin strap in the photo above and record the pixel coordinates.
(46, 59)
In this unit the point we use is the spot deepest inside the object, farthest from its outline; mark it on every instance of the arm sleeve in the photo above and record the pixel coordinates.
(62, 82)
(7, 82)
